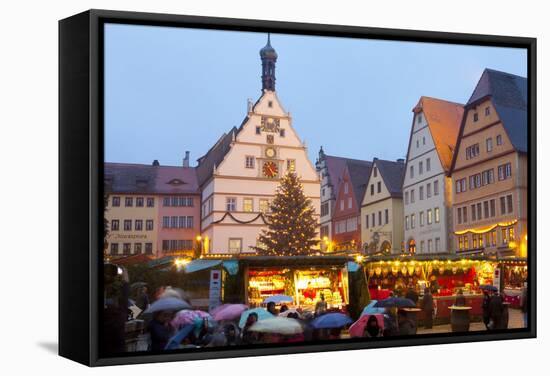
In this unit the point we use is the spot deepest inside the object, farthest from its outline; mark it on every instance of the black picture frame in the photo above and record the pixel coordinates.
(81, 176)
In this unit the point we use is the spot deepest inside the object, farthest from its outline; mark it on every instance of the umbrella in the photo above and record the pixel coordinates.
(262, 315)
(395, 302)
(229, 312)
(289, 311)
(278, 299)
(167, 304)
(174, 342)
(187, 316)
(358, 328)
(370, 309)
(331, 320)
(488, 287)
(278, 325)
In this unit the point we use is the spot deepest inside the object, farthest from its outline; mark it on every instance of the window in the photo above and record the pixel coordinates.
(129, 201)
(478, 206)
(406, 197)
(291, 165)
(282, 132)
(465, 214)
(166, 222)
(429, 217)
(166, 201)
(421, 193)
(423, 140)
(174, 222)
(270, 139)
(436, 188)
(466, 245)
(486, 209)
(421, 219)
(139, 202)
(492, 207)
(489, 144)
(406, 222)
(323, 192)
(114, 248)
(430, 245)
(436, 215)
(428, 190)
(494, 238)
(422, 246)
(150, 202)
(487, 177)
(182, 222)
(148, 248)
(472, 151)
(258, 130)
(428, 164)
(248, 205)
(230, 204)
(460, 243)
(473, 211)
(372, 189)
(379, 187)
(474, 241)
(346, 188)
(270, 104)
(350, 202)
(116, 201)
(417, 144)
(138, 225)
(324, 208)
(175, 201)
(460, 185)
(503, 205)
(411, 172)
(367, 221)
(264, 205)
(373, 220)
(412, 221)
(126, 248)
(480, 241)
(375, 172)
(127, 225)
(420, 168)
(137, 248)
(509, 203)
(412, 196)
(459, 215)
(437, 245)
(504, 171)
(249, 161)
(487, 111)
(386, 216)
(419, 118)
(499, 139)
(476, 116)
(149, 225)
(379, 218)
(235, 245)
(115, 225)
(511, 236)
(504, 233)
(342, 205)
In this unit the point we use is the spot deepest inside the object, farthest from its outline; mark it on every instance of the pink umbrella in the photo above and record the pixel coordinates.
(187, 317)
(228, 312)
(358, 327)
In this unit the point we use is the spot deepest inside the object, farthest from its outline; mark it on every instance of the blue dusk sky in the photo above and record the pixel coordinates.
(168, 90)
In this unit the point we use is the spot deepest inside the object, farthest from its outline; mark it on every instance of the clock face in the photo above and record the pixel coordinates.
(270, 169)
(270, 152)
(270, 124)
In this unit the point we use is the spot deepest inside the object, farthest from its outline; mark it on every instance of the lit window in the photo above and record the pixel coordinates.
(291, 165)
(248, 205)
(436, 215)
(264, 205)
(235, 245)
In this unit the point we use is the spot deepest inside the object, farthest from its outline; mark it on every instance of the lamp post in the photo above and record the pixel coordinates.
(198, 247)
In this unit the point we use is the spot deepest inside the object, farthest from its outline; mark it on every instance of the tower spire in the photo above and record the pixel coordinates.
(268, 56)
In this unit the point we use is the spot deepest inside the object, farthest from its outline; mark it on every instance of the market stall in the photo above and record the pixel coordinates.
(514, 278)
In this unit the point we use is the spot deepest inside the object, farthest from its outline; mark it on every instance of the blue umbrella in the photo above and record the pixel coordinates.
(395, 302)
(174, 342)
(167, 304)
(488, 287)
(277, 299)
(331, 320)
(370, 309)
(262, 315)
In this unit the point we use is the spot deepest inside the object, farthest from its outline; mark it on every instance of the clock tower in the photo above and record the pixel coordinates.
(241, 172)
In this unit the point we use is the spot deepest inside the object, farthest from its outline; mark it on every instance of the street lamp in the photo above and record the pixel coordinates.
(198, 248)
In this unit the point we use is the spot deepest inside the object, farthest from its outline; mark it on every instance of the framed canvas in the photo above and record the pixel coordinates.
(235, 187)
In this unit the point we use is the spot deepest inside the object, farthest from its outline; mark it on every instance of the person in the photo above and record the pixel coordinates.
(460, 300)
(428, 308)
(230, 332)
(160, 330)
(406, 325)
(142, 301)
(321, 306)
(390, 325)
(524, 304)
(115, 309)
(284, 308)
(412, 294)
(485, 308)
(271, 308)
(496, 308)
(248, 336)
(372, 329)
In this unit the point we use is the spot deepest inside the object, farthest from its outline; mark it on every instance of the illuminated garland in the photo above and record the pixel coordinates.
(486, 229)
(261, 215)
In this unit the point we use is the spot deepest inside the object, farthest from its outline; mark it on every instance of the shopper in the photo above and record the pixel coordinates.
(460, 300)
(271, 308)
(321, 306)
(372, 329)
(524, 304)
(485, 308)
(427, 307)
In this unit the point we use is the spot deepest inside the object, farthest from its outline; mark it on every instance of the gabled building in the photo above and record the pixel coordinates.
(346, 221)
(239, 175)
(489, 169)
(382, 208)
(151, 209)
(330, 169)
(427, 189)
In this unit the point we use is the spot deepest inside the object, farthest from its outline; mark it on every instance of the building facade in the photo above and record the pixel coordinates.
(382, 208)
(426, 188)
(151, 210)
(489, 169)
(240, 173)
(346, 221)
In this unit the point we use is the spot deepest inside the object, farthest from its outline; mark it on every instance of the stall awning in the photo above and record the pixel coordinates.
(196, 265)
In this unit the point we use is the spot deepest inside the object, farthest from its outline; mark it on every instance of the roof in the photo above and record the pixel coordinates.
(215, 155)
(141, 178)
(508, 93)
(335, 167)
(392, 173)
(444, 119)
(359, 174)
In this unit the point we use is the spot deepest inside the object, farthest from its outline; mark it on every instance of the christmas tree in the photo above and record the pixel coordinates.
(291, 223)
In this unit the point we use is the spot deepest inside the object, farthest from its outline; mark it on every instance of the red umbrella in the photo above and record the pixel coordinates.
(228, 312)
(358, 328)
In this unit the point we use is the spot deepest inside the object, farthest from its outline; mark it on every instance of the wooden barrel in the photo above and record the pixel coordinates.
(460, 318)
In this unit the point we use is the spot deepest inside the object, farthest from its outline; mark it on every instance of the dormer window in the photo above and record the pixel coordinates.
(176, 182)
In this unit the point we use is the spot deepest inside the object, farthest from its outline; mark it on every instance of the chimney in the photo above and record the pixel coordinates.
(401, 161)
(156, 162)
(249, 105)
(186, 159)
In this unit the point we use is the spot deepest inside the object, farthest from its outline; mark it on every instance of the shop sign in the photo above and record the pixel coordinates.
(215, 289)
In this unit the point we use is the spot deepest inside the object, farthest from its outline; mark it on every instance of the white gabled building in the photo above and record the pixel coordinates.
(427, 190)
(238, 176)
